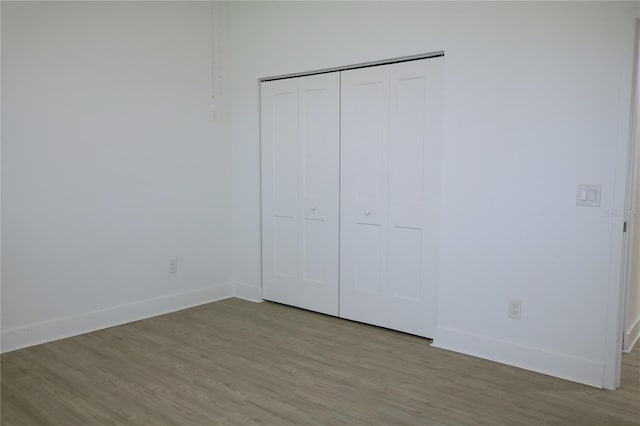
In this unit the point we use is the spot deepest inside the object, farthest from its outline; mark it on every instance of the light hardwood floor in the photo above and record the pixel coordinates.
(236, 362)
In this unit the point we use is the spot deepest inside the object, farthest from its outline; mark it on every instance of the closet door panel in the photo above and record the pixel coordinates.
(363, 192)
(300, 187)
(403, 183)
(427, 78)
(279, 134)
(319, 150)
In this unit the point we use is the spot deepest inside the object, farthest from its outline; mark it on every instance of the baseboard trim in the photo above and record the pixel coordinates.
(581, 370)
(632, 336)
(247, 292)
(35, 334)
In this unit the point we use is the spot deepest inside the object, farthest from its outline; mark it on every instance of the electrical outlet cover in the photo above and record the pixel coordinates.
(514, 310)
(173, 266)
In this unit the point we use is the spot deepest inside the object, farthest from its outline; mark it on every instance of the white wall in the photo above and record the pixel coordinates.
(632, 319)
(111, 166)
(536, 101)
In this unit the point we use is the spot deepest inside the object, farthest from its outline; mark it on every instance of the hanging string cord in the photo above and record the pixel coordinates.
(215, 50)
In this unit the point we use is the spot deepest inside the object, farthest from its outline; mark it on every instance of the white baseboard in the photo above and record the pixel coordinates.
(61, 328)
(247, 292)
(631, 336)
(581, 370)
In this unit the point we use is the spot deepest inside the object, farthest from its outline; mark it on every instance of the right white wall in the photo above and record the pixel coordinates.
(537, 100)
(632, 319)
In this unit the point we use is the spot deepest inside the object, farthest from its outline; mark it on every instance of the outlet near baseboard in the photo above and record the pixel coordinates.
(173, 266)
(514, 310)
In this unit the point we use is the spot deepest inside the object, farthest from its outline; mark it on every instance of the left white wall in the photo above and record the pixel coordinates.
(111, 166)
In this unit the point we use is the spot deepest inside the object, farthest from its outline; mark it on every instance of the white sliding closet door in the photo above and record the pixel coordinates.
(300, 191)
(390, 194)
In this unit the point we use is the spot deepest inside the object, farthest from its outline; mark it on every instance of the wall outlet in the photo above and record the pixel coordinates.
(173, 266)
(514, 310)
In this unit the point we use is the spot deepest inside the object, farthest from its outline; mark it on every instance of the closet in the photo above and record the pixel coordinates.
(351, 193)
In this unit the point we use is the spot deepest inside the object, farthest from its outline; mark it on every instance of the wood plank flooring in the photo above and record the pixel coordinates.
(239, 363)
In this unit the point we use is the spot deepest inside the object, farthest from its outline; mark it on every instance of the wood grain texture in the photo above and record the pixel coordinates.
(238, 363)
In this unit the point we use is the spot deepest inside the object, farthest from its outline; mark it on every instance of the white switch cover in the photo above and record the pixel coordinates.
(584, 194)
(589, 195)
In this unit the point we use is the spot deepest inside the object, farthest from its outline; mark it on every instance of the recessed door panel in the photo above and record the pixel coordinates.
(285, 144)
(405, 263)
(406, 146)
(314, 258)
(314, 133)
(285, 247)
(368, 258)
(369, 139)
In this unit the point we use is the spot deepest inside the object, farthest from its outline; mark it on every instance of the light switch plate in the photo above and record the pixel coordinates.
(589, 195)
